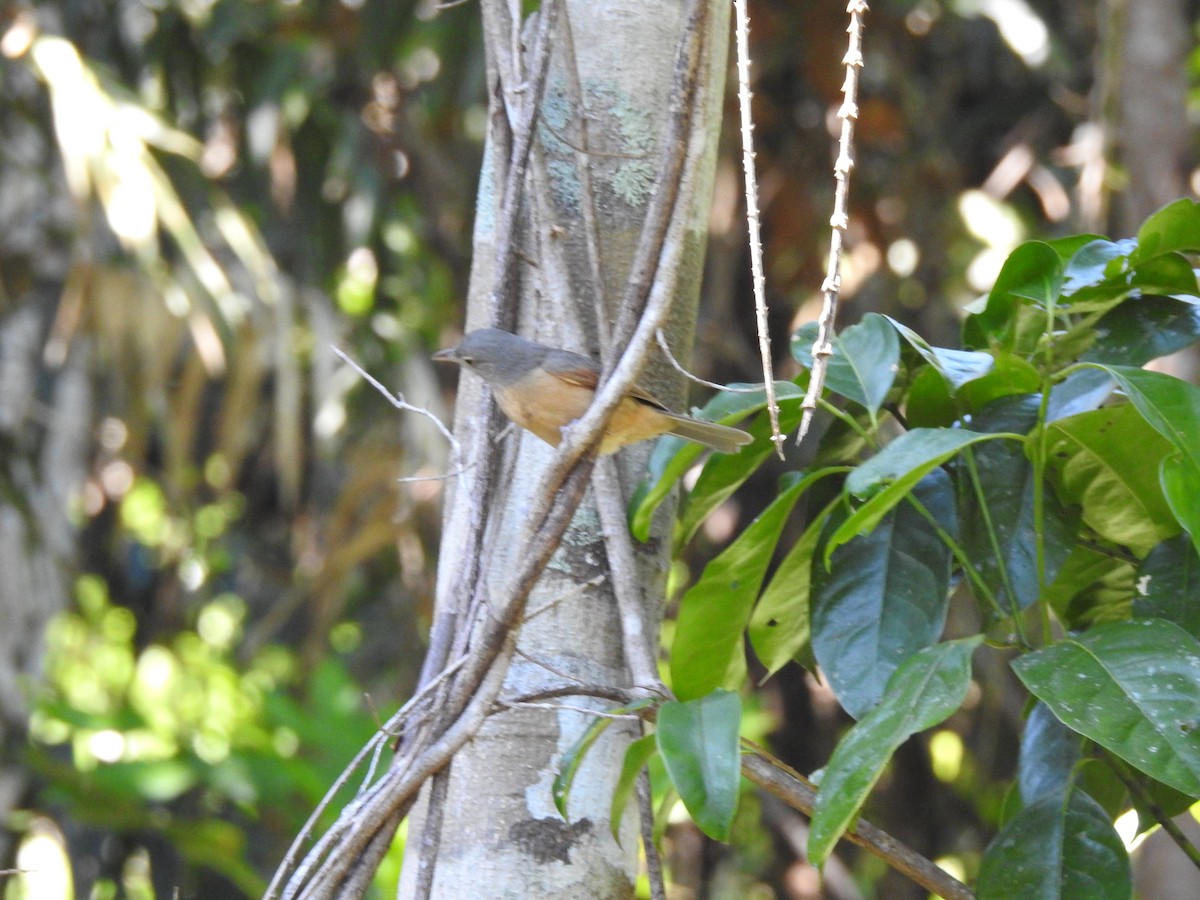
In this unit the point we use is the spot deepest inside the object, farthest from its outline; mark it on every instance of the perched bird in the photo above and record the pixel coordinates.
(544, 389)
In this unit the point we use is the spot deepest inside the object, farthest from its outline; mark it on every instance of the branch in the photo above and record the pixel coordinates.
(799, 793)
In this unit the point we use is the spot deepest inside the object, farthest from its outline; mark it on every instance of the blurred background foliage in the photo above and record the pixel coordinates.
(211, 579)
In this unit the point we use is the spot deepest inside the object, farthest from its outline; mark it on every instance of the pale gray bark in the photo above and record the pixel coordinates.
(593, 168)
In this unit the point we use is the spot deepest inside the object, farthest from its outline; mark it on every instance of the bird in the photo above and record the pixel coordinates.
(543, 389)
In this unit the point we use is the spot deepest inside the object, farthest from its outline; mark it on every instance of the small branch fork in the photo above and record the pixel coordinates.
(848, 113)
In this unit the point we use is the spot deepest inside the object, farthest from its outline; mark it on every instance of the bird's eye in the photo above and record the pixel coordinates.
(467, 360)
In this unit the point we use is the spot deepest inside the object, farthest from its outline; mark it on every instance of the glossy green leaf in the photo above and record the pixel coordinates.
(1094, 263)
(1001, 536)
(1169, 404)
(707, 652)
(779, 626)
(1142, 329)
(698, 741)
(866, 357)
(1172, 407)
(1174, 228)
(1168, 585)
(1132, 687)
(723, 472)
(924, 691)
(1180, 480)
(884, 598)
(1009, 375)
(637, 755)
(956, 367)
(888, 476)
(1061, 847)
(1049, 752)
(907, 460)
(1034, 271)
(1168, 273)
(1107, 461)
(1081, 391)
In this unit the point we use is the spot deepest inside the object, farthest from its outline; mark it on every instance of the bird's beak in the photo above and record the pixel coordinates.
(450, 354)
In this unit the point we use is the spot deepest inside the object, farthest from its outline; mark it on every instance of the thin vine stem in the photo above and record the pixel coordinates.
(848, 112)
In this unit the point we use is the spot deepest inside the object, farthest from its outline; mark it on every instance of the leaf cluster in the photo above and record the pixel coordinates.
(1040, 476)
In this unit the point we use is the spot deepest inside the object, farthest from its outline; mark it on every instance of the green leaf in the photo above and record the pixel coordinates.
(924, 691)
(884, 599)
(1107, 461)
(573, 758)
(1092, 586)
(1061, 847)
(1180, 480)
(928, 403)
(637, 755)
(1172, 407)
(723, 473)
(1174, 228)
(1081, 391)
(1049, 752)
(1093, 264)
(910, 457)
(1168, 274)
(866, 357)
(707, 651)
(779, 627)
(1132, 687)
(1168, 585)
(1144, 328)
(1034, 271)
(698, 741)
(1009, 375)
(889, 476)
(1001, 535)
(956, 367)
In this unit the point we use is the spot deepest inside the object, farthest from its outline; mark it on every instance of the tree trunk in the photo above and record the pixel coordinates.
(608, 102)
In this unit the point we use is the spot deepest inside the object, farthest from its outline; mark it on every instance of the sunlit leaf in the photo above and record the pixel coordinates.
(707, 652)
(698, 741)
(956, 367)
(779, 627)
(1174, 228)
(637, 754)
(864, 363)
(1132, 687)
(673, 457)
(924, 691)
(1107, 462)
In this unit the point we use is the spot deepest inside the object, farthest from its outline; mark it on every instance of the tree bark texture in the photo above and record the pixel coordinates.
(592, 173)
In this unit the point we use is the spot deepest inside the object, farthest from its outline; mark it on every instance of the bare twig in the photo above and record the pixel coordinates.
(678, 367)
(640, 656)
(742, 32)
(848, 113)
(799, 793)
(654, 872)
(397, 400)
